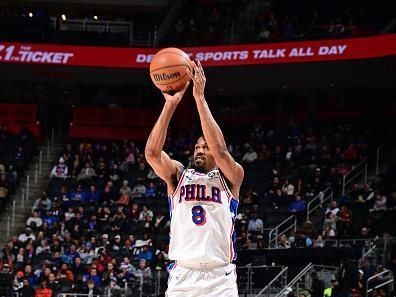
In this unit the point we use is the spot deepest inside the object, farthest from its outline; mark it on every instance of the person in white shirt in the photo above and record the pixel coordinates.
(255, 223)
(27, 235)
(34, 218)
(60, 170)
(250, 156)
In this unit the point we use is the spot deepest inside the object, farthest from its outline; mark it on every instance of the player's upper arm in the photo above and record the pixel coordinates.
(230, 168)
(166, 168)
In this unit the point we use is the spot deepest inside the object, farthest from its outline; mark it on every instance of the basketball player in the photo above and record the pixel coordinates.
(203, 202)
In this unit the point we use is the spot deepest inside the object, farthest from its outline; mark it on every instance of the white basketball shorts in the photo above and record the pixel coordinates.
(202, 282)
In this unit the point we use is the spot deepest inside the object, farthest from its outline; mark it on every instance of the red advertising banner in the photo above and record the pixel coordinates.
(216, 56)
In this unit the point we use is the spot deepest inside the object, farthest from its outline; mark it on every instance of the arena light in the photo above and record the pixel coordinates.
(63, 16)
(95, 17)
(30, 14)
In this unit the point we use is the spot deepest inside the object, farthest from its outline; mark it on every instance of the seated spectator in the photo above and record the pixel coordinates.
(151, 190)
(139, 189)
(379, 202)
(93, 196)
(125, 189)
(250, 156)
(123, 200)
(28, 234)
(113, 289)
(86, 173)
(92, 289)
(255, 224)
(146, 215)
(298, 207)
(59, 170)
(143, 271)
(328, 232)
(78, 196)
(43, 291)
(146, 254)
(319, 242)
(283, 242)
(34, 218)
(42, 204)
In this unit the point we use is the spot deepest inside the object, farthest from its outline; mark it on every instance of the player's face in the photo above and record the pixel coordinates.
(203, 158)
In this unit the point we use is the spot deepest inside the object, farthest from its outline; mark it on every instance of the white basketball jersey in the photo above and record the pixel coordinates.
(203, 213)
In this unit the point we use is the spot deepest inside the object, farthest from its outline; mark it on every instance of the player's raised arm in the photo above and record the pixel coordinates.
(212, 133)
(162, 164)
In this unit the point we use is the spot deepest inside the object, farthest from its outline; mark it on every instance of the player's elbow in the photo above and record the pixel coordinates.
(151, 154)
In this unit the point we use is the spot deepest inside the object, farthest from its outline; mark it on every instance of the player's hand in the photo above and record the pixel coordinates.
(176, 97)
(199, 80)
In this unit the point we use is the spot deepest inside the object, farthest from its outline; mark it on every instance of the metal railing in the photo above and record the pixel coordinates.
(288, 224)
(319, 200)
(383, 151)
(281, 278)
(295, 280)
(351, 176)
(386, 281)
(251, 279)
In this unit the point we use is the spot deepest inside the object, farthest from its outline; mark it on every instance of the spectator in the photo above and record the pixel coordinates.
(42, 204)
(145, 254)
(317, 285)
(59, 170)
(28, 234)
(43, 291)
(298, 207)
(125, 189)
(27, 290)
(255, 224)
(379, 202)
(91, 289)
(34, 218)
(143, 271)
(87, 173)
(283, 242)
(139, 189)
(113, 289)
(146, 215)
(250, 156)
(151, 190)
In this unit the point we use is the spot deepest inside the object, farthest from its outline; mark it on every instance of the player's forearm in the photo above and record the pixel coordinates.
(211, 130)
(156, 140)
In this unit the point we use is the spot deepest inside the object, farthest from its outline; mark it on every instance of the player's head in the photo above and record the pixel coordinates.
(203, 158)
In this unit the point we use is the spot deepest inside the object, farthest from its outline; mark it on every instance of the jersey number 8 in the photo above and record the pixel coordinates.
(198, 215)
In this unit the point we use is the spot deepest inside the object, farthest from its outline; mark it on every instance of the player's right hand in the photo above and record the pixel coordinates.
(176, 97)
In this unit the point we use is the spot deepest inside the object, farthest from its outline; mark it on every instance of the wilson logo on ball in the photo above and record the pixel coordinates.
(165, 76)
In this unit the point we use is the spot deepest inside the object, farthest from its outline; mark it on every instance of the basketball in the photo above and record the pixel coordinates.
(168, 69)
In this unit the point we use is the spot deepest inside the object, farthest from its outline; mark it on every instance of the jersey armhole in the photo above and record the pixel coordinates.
(226, 187)
(183, 173)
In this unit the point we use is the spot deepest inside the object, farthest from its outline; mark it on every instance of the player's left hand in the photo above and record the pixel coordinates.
(199, 80)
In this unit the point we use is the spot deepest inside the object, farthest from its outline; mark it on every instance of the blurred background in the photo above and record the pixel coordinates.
(303, 91)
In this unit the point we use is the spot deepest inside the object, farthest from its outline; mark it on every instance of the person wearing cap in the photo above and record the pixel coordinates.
(60, 170)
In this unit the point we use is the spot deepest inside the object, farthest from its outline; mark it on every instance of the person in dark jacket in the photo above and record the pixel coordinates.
(27, 290)
(317, 285)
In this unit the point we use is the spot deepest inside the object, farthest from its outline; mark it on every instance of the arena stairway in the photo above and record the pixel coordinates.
(23, 208)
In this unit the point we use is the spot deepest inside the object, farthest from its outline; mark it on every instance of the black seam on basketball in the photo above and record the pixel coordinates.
(169, 67)
(183, 56)
(169, 83)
